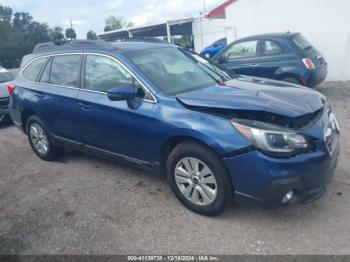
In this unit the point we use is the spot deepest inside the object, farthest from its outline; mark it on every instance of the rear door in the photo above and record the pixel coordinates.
(242, 57)
(56, 93)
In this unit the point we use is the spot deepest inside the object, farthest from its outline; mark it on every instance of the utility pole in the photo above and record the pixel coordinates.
(71, 24)
(204, 8)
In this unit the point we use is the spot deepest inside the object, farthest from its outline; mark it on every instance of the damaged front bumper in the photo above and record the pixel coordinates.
(264, 180)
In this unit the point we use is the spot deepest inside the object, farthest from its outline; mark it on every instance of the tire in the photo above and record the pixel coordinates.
(204, 201)
(42, 136)
(292, 80)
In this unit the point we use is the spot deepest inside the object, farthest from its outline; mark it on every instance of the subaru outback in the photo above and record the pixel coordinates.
(215, 136)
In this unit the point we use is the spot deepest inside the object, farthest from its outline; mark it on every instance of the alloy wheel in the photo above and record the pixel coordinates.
(39, 138)
(196, 181)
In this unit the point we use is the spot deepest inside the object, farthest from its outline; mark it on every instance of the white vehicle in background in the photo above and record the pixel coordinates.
(5, 78)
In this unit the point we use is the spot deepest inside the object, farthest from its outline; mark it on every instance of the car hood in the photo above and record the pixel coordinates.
(256, 94)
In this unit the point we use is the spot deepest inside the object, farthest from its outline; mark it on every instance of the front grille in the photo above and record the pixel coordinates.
(4, 103)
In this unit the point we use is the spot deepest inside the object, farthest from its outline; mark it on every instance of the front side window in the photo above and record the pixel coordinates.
(242, 50)
(271, 48)
(32, 71)
(103, 73)
(65, 70)
(175, 71)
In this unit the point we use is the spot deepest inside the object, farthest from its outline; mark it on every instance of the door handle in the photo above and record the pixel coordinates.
(254, 65)
(85, 106)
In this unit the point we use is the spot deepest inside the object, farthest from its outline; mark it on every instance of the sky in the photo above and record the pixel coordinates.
(91, 14)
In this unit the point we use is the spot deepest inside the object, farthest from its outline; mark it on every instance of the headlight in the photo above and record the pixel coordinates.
(269, 137)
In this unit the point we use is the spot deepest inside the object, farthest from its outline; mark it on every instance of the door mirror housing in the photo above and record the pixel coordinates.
(221, 59)
(124, 92)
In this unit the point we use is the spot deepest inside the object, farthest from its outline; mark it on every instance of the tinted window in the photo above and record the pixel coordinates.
(301, 42)
(272, 48)
(103, 73)
(32, 71)
(241, 50)
(65, 70)
(5, 75)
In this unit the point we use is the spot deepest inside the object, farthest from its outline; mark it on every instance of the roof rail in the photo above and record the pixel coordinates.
(53, 46)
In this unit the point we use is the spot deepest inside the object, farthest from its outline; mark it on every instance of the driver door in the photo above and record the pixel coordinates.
(107, 125)
(243, 58)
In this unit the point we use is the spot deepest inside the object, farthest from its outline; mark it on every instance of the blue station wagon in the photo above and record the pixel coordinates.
(215, 136)
(282, 56)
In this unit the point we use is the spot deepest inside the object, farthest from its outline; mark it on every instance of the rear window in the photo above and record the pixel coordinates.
(5, 75)
(65, 70)
(32, 71)
(301, 42)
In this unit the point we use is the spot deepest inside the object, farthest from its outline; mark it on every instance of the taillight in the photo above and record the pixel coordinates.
(309, 64)
(11, 88)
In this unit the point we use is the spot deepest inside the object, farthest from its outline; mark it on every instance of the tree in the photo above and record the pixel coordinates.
(22, 21)
(70, 33)
(56, 34)
(20, 33)
(115, 23)
(13, 45)
(5, 14)
(91, 35)
(38, 32)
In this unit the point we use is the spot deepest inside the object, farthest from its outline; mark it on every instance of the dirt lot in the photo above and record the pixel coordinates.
(85, 205)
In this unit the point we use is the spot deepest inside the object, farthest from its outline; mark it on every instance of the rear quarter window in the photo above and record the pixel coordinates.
(301, 42)
(32, 71)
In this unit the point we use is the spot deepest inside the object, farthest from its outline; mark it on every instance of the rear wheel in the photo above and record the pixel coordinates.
(40, 140)
(198, 178)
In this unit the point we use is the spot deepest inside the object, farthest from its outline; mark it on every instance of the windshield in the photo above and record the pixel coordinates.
(5, 75)
(175, 70)
(301, 42)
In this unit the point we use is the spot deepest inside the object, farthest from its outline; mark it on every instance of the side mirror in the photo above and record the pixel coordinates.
(221, 59)
(124, 92)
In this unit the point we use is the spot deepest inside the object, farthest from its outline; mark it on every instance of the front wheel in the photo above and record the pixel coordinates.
(40, 140)
(198, 178)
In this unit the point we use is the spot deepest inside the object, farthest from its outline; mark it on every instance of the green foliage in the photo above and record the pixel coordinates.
(5, 14)
(115, 23)
(13, 46)
(91, 35)
(70, 33)
(56, 34)
(20, 33)
(22, 21)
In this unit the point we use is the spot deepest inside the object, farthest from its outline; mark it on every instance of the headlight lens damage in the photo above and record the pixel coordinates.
(271, 138)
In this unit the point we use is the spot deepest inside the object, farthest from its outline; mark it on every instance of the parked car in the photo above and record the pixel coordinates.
(164, 108)
(286, 56)
(5, 77)
(214, 48)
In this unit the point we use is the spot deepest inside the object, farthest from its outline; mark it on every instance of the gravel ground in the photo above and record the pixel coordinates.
(86, 205)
